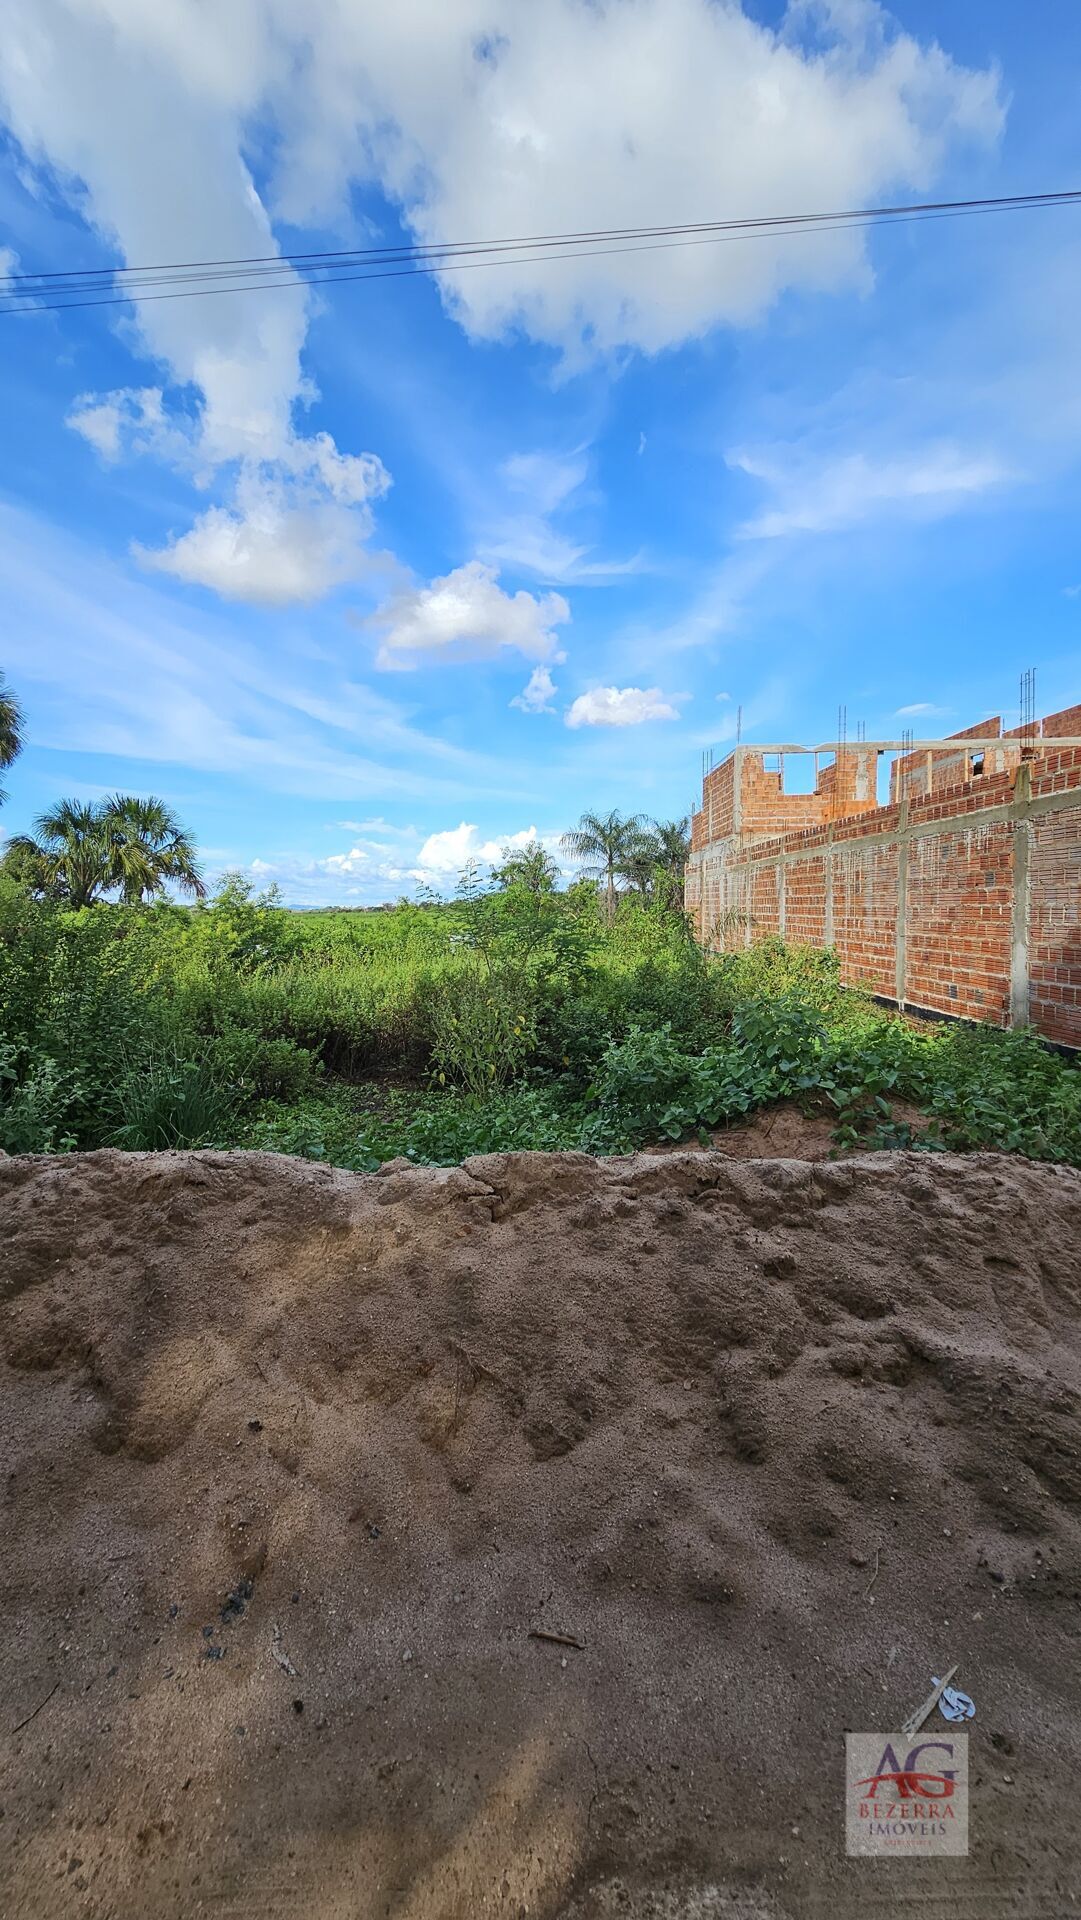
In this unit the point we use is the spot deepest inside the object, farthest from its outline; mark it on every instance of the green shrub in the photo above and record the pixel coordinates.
(33, 1102)
(483, 1027)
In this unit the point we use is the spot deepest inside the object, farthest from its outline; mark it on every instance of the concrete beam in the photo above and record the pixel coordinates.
(1038, 745)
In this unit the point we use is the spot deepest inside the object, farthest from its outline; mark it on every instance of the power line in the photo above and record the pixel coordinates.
(196, 279)
(1065, 195)
(329, 277)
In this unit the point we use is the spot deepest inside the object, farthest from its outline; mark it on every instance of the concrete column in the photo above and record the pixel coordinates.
(901, 926)
(780, 899)
(827, 933)
(900, 937)
(1022, 890)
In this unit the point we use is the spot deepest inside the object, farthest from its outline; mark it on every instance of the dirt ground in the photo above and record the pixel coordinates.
(299, 1464)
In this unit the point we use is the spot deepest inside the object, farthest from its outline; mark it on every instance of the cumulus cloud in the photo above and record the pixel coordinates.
(494, 129)
(466, 615)
(374, 870)
(483, 118)
(448, 852)
(82, 89)
(834, 494)
(538, 693)
(621, 707)
(476, 118)
(270, 548)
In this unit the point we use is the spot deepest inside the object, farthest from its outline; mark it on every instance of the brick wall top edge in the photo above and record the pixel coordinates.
(1056, 724)
(984, 730)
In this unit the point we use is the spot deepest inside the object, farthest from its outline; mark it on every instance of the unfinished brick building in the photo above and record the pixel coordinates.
(961, 895)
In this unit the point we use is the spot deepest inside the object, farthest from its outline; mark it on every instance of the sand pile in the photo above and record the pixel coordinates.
(299, 1463)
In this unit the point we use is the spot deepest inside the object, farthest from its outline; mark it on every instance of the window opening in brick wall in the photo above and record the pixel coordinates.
(798, 773)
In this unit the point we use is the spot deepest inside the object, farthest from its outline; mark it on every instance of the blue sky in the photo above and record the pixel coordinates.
(367, 580)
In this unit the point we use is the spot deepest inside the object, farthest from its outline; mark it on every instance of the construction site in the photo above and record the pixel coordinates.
(956, 895)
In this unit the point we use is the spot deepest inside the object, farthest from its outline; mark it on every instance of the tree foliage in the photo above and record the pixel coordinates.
(82, 851)
(605, 845)
(11, 729)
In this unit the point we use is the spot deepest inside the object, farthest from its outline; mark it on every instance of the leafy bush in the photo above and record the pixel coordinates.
(257, 1069)
(32, 1105)
(483, 1027)
(240, 931)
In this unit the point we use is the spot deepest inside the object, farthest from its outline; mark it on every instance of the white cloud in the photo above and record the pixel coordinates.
(128, 420)
(538, 693)
(918, 707)
(276, 546)
(478, 118)
(486, 120)
(10, 264)
(370, 872)
(621, 707)
(119, 669)
(1072, 593)
(466, 615)
(106, 96)
(546, 479)
(482, 118)
(448, 852)
(851, 489)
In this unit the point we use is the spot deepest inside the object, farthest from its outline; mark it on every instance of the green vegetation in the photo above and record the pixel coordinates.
(11, 729)
(511, 1016)
(86, 849)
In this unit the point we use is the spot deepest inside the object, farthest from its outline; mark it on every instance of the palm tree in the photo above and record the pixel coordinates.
(674, 845)
(26, 864)
(603, 843)
(85, 849)
(641, 859)
(11, 729)
(148, 849)
(70, 857)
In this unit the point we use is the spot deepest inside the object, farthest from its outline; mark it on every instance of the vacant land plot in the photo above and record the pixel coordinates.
(502, 1020)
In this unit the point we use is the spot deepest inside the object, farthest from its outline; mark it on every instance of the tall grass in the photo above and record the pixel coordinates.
(500, 1019)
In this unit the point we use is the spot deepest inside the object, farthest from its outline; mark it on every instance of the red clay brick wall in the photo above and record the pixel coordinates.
(960, 897)
(791, 869)
(1055, 888)
(715, 820)
(864, 913)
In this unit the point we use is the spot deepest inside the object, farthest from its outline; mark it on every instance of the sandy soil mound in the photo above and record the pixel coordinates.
(300, 1464)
